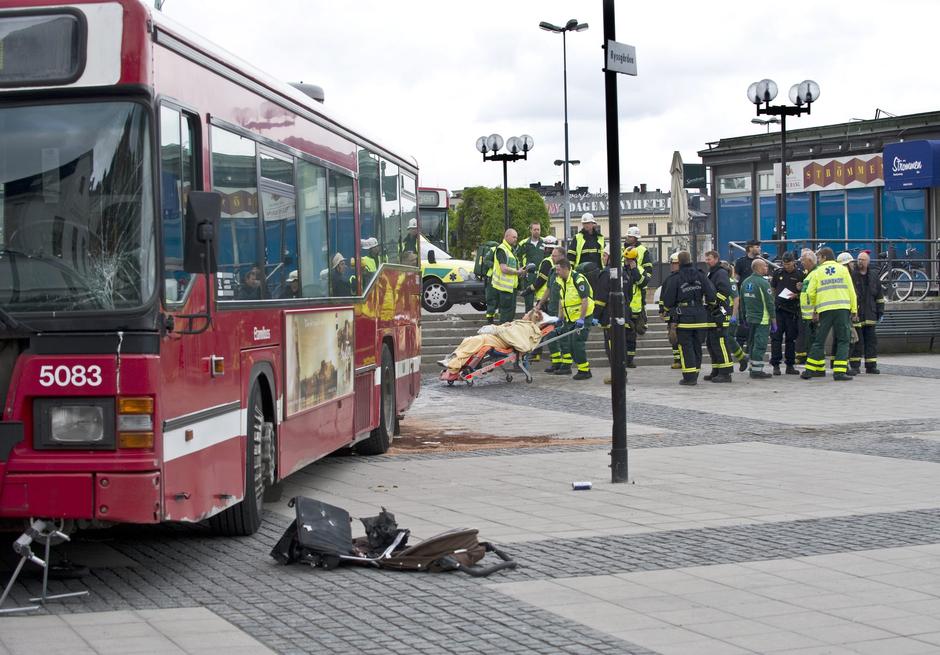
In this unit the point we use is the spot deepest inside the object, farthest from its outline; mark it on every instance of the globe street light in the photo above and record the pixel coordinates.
(802, 95)
(571, 26)
(518, 147)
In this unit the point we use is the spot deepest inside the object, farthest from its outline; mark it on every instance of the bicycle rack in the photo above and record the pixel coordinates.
(42, 531)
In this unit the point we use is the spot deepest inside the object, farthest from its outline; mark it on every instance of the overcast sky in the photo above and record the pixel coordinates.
(430, 77)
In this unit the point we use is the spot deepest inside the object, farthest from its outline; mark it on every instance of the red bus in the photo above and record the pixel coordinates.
(205, 279)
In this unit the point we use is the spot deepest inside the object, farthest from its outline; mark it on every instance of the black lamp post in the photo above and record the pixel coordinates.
(802, 95)
(515, 145)
(571, 26)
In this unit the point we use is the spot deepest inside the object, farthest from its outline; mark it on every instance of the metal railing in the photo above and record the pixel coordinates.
(909, 269)
(662, 246)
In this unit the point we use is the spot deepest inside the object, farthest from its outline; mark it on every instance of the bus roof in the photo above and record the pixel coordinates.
(276, 87)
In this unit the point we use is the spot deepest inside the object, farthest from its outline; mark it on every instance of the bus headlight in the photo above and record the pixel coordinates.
(74, 423)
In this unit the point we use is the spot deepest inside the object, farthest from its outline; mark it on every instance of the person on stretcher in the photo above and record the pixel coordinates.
(522, 335)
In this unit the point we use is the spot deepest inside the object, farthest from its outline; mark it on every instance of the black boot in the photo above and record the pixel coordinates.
(723, 376)
(777, 369)
(711, 375)
(791, 370)
(742, 365)
(552, 368)
(630, 362)
(689, 379)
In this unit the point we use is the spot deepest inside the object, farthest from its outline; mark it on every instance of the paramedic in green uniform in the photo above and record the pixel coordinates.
(575, 308)
(505, 276)
(530, 251)
(759, 314)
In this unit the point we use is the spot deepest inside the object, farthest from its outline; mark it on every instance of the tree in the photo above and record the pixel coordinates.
(480, 217)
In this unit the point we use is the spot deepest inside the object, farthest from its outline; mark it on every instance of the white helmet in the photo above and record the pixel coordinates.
(845, 258)
(587, 217)
(550, 242)
(367, 244)
(413, 224)
(633, 231)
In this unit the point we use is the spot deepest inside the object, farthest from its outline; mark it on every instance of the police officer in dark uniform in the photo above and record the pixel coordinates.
(786, 280)
(689, 300)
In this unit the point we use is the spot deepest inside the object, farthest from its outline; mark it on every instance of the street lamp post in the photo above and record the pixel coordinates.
(571, 26)
(518, 147)
(802, 95)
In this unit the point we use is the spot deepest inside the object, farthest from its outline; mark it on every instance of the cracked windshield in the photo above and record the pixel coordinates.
(76, 208)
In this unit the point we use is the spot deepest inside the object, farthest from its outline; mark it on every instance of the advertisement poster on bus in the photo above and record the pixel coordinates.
(319, 357)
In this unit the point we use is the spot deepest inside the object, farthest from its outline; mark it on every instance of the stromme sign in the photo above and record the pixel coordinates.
(912, 165)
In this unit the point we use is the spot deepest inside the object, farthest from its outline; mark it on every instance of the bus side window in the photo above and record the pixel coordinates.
(342, 225)
(370, 208)
(391, 212)
(234, 175)
(178, 175)
(312, 243)
(408, 249)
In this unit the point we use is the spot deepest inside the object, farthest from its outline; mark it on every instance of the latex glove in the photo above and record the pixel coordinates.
(579, 323)
(773, 326)
(594, 321)
(733, 320)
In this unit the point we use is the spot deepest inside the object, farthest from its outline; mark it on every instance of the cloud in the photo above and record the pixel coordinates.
(433, 76)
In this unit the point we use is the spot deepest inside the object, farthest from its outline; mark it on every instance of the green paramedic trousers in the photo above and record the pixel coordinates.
(839, 321)
(572, 347)
(507, 306)
(757, 337)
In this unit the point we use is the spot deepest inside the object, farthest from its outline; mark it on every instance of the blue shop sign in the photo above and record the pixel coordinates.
(912, 165)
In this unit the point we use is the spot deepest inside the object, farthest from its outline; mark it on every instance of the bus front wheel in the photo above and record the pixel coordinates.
(244, 518)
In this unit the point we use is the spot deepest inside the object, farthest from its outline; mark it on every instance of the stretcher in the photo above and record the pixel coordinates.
(489, 359)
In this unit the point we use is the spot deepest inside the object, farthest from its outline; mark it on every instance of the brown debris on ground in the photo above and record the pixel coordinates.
(418, 439)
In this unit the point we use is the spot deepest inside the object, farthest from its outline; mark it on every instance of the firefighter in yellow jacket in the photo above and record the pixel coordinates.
(830, 295)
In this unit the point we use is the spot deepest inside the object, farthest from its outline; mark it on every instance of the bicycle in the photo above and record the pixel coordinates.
(903, 280)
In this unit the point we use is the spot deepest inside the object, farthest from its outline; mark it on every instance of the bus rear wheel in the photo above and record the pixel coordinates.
(381, 438)
(244, 518)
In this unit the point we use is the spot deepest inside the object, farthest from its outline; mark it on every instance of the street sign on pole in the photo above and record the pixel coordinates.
(621, 58)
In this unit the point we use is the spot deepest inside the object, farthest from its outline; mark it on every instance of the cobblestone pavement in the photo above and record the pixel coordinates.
(299, 610)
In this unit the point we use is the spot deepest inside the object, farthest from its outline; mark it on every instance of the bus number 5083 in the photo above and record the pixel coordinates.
(65, 376)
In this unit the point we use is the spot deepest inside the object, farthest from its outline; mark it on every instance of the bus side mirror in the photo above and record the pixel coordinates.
(203, 214)
(432, 259)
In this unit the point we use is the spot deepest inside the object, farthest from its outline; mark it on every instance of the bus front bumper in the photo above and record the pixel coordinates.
(118, 497)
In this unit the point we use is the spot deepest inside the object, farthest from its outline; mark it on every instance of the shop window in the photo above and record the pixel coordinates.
(860, 220)
(904, 216)
(732, 184)
(768, 218)
(798, 216)
(830, 219)
(735, 222)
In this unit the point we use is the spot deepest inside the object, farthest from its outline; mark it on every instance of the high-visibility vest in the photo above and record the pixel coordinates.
(368, 264)
(636, 302)
(806, 310)
(569, 299)
(579, 248)
(504, 281)
(831, 288)
(544, 288)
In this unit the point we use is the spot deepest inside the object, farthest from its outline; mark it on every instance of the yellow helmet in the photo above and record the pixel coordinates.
(630, 253)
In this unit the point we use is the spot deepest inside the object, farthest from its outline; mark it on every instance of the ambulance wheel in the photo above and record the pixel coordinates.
(434, 296)
(244, 518)
(381, 438)
(508, 378)
(479, 306)
(528, 380)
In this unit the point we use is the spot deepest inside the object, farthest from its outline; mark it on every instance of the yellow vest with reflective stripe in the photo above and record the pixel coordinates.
(579, 247)
(368, 264)
(806, 310)
(504, 281)
(831, 288)
(569, 302)
(544, 288)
